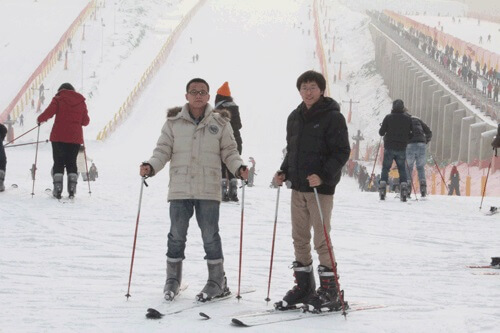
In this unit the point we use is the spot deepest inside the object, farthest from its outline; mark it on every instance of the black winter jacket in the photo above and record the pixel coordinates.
(234, 109)
(396, 129)
(3, 132)
(420, 131)
(317, 143)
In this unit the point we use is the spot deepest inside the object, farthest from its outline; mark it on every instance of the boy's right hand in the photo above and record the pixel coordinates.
(279, 177)
(145, 169)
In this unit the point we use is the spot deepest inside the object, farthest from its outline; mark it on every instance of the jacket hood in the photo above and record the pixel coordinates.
(177, 111)
(70, 97)
(324, 104)
(224, 113)
(172, 112)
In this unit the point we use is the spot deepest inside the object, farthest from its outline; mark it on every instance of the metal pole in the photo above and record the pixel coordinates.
(272, 247)
(36, 159)
(330, 252)
(374, 163)
(86, 167)
(238, 296)
(486, 182)
(25, 144)
(143, 182)
(22, 135)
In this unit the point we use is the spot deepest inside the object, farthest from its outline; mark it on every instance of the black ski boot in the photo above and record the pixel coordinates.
(326, 298)
(233, 190)
(2, 178)
(225, 195)
(404, 191)
(72, 182)
(302, 291)
(174, 278)
(495, 262)
(382, 189)
(423, 189)
(58, 185)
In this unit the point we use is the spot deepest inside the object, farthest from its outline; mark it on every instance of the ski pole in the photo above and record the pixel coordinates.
(36, 159)
(272, 247)
(374, 163)
(21, 135)
(486, 182)
(29, 143)
(411, 180)
(439, 170)
(330, 252)
(238, 296)
(86, 166)
(143, 182)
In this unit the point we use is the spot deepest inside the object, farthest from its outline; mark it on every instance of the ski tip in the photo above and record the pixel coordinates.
(204, 315)
(154, 314)
(237, 322)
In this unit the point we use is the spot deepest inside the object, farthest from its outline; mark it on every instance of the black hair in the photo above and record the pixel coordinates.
(312, 76)
(66, 86)
(197, 79)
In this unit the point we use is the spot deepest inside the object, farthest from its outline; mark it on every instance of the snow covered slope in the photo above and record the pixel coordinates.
(65, 267)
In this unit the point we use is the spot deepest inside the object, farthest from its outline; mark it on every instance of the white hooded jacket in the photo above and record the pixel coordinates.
(195, 153)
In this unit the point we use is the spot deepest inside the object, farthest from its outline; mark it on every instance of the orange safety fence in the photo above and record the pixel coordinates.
(25, 94)
(320, 50)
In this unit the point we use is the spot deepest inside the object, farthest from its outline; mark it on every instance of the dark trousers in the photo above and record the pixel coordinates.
(207, 215)
(454, 186)
(226, 174)
(394, 155)
(64, 155)
(3, 158)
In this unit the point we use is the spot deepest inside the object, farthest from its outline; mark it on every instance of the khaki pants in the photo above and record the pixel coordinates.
(305, 214)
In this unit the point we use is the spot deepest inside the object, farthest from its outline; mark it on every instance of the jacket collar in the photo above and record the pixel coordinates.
(185, 114)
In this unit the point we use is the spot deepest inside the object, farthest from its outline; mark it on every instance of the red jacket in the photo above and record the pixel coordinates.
(71, 114)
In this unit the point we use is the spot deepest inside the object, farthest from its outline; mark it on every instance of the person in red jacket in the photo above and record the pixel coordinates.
(66, 136)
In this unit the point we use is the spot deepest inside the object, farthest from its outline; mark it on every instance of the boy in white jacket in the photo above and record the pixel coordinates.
(195, 139)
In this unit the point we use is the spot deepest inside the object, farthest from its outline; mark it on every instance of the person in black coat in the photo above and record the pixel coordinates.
(396, 129)
(3, 157)
(224, 101)
(317, 149)
(496, 140)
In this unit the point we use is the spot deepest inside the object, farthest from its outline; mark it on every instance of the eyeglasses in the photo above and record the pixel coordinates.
(196, 92)
(313, 88)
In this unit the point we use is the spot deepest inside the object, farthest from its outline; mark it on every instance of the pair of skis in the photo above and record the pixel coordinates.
(155, 314)
(259, 317)
(63, 200)
(276, 316)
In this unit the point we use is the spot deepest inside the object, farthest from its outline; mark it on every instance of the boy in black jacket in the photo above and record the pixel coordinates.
(317, 149)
